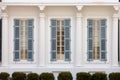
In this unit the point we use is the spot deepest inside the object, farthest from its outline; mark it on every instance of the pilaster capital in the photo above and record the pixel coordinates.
(42, 15)
(79, 7)
(79, 15)
(116, 7)
(116, 15)
(4, 15)
(3, 7)
(41, 7)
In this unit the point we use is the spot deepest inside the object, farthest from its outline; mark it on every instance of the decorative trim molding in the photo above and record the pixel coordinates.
(79, 8)
(3, 7)
(116, 8)
(41, 7)
(4, 15)
(116, 15)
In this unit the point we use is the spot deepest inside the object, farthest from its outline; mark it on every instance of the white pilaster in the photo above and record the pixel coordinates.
(115, 41)
(4, 39)
(42, 39)
(78, 56)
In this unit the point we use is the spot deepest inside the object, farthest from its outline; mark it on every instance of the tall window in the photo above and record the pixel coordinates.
(23, 39)
(96, 39)
(60, 39)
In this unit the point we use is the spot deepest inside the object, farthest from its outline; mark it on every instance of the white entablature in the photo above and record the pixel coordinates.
(62, 1)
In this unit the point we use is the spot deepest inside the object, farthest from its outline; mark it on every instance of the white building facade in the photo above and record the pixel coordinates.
(60, 35)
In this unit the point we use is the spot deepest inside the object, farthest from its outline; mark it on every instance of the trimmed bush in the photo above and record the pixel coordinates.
(99, 76)
(65, 76)
(83, 76)
(114, 76)
(46, 76)
(4, 75)
(18, 76)
(32, 76)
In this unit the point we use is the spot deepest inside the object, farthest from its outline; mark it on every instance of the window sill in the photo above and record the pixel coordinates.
(23, 62)
(60, 62)
(97, 62)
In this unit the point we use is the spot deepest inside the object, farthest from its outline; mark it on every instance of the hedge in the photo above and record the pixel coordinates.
(18, 76)
(65, 76)
(83, 76)
(114, 76)
(4, 76)
(32, 76)
(46, 76)
(99, 76)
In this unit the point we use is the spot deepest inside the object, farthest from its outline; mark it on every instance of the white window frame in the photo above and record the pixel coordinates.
(49, 39)
(11, 44)
(108, 40)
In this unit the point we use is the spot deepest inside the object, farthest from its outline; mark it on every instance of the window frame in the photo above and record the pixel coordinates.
(108, 40)
(49, 54)
(34, 50)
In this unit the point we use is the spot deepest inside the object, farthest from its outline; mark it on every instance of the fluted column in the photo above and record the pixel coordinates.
(78, 56)
(42, 39)
(115, 40)
(4, 39)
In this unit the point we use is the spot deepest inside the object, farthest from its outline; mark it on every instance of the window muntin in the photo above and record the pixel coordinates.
(60, 39)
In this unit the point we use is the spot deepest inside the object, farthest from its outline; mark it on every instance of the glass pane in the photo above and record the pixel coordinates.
(67, 44)
(16, 32)
(90, 32)
(103, 34)
(30, 44)
(103, 45)
(53, 44)
(53, 32)
(67, 32)
(16, 55)
(17, 22)
(90, 44)
(16, 44)
(30, 32)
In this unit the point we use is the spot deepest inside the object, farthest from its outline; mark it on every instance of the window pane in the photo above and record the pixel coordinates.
(103, 34)
(90, 44)
(30, 32)
(53, 44)
(16, 55)
(30, 44)
(17, 22)
(103, 45)
(67, 32)
(53, 32)
(16, 44)
(16, 32)
(67, 44)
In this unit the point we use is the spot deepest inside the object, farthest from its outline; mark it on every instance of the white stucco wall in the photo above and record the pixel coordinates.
(60, 12)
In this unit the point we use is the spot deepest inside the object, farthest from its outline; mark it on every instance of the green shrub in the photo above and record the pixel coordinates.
(32, 76)
(4, 75)
(83, 76)
(65, 76)
(18, 76)
(99, 76)
(46, 76)
(114, 76)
